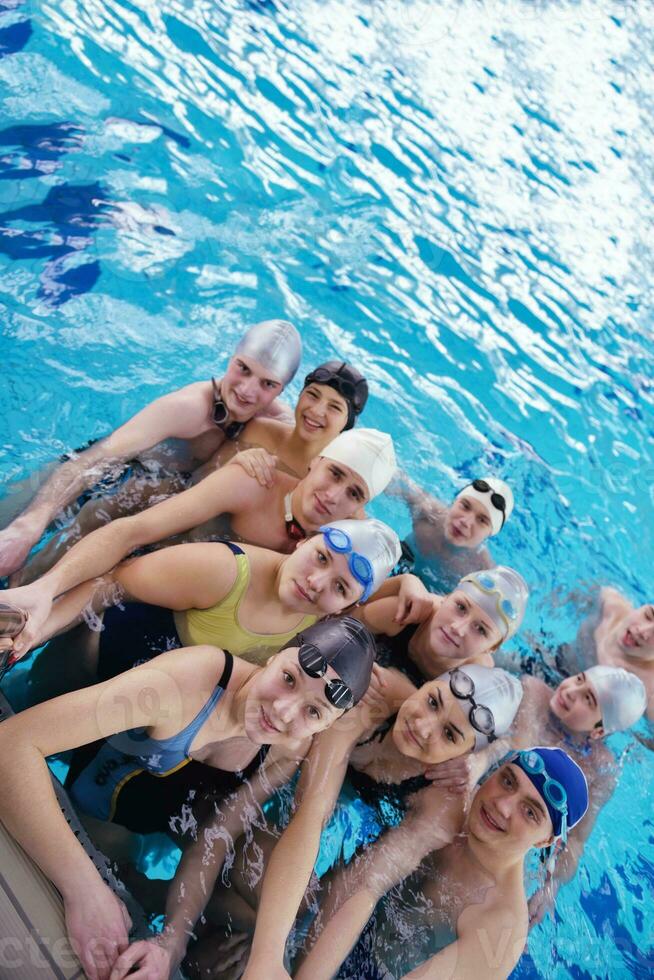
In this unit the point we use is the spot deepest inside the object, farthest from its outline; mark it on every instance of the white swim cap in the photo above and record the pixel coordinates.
(483, 490)
(494, 689)
(275, 345)
(502, 593)
(372, 547)
(369, 453)
(621, 696)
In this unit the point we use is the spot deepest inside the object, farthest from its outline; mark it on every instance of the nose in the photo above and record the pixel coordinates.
(459, 625)
(285, 709)
(247, 387)
(316, 580)
(422, 728)
(504, 805)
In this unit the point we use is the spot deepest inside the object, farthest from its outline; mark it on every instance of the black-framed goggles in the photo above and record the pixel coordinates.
(314, 664)
(220, 415)
(344, 379)
(481, 718)
(497, 500)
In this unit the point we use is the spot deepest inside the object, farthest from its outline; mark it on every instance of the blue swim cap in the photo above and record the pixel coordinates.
(559, 781)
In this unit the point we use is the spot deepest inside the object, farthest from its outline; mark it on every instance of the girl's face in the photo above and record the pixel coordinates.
(285, 705)
(317, 581)
(320, 414)
(460, 629)
(432, 725)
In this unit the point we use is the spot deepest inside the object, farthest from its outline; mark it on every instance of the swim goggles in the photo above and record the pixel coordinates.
(220, 415)
(339, 541)
(488, 584)
(481, 718)
(314, 664)
(551, 789)
(497, 500)
(343, 380)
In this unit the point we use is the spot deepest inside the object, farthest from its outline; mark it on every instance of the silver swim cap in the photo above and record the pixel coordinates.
(369, 453)
(621, 696)
(502, 593)
(484, 490)
(275, 345)
(372, 549)
(495, 690)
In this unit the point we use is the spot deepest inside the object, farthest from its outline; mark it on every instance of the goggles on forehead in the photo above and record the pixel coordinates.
(481, 718)
(552, 790)
(314, 664)
(496, 499)
(486, 582)
(340, 542)
(220, 415)
(353, 391)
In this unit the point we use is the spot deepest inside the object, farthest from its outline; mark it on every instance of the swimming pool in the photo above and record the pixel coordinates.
(454, 198)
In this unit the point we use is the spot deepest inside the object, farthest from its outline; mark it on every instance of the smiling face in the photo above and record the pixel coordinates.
(509, 814)
(636, 633)
(432, 725)
(315, 580)
(459, 629)
(247, 388)
(320, 414)
(575, 704)
(285, 705)
(467, 523)
(331, 491)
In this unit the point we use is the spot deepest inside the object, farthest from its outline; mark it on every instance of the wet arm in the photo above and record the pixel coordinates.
(182, 414)
(293, 857)
(356, 889)
(420, 503)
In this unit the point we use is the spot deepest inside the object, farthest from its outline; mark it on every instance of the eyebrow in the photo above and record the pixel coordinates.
(458, 730)
(590, 690)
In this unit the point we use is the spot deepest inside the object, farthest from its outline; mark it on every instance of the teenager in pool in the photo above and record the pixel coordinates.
(615, 634)
(201, 704)
(466, 898)
(324, 409)
(467, 626)
(446, 542)
(203, 414)
(351, 471)
(447, 717)
(248, 600)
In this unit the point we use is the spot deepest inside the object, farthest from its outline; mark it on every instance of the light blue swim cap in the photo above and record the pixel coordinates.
(275, 345)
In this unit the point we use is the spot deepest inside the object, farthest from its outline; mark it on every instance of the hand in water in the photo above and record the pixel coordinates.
(540, 903)
(452, 775)
(37, 604)
(259, 464)
(98, 927)
(15, 545)
(148, 959)
(219, 959)
(414, 603)
(374, 699)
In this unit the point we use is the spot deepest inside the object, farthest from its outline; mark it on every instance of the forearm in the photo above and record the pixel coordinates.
(26, 782)
(343, 926)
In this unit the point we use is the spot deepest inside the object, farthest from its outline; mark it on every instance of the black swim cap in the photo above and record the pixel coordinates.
(347, 381)
(346, 645)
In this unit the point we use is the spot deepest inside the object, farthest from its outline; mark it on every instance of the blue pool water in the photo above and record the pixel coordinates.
(454, 196)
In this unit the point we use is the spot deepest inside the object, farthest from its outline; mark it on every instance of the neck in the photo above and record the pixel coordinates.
(297, 511)
(576, 741)
(305, 449)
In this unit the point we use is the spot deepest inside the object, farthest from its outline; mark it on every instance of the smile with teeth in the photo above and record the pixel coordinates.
(312, 423)
(489, 821)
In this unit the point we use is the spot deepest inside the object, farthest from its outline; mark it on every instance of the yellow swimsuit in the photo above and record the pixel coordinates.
(219, 625)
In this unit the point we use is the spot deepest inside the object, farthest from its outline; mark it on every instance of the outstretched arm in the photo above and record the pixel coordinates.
(432, 822)
(182, 414)
(293, 857)
(222, 492)
(421, 504)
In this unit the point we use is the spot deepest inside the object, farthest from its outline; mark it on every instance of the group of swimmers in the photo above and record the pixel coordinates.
(259, 632)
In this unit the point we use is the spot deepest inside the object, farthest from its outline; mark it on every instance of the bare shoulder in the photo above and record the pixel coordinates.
(612, 601)
(441, 811)
(261, 431)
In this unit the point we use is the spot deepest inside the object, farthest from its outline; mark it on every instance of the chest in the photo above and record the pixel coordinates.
(204, 446)
(263, 527)
(232, 755)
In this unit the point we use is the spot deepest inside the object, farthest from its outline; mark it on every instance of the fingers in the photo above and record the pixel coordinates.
(402, 611)
(135, 954)
(379, 675)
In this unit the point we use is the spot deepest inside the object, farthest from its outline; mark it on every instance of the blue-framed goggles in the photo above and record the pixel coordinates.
(340, 542)
(552, 791)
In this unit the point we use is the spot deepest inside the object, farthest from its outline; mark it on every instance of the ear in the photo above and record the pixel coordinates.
(547, 843)
(596, 733)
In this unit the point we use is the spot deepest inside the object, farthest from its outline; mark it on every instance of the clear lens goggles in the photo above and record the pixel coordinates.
(481, 718)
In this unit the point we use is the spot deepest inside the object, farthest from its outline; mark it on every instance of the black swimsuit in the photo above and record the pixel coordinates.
(393, 651)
